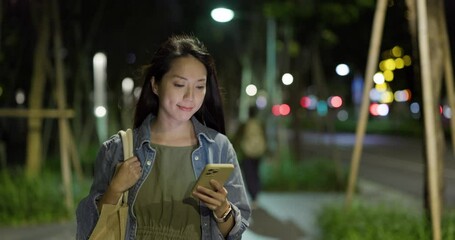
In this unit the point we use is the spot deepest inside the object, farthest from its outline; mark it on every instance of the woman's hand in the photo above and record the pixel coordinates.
(215, 200)
(128, 174)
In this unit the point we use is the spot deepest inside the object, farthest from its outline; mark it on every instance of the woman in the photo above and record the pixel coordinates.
(178, 129)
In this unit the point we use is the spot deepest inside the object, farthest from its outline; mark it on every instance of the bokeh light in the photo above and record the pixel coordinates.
(251, 90)
(127, 85)
(100, 111)
(20, 97)
(342, 69)
(261, 102)
(222, 14)
(335, 101)
(342, 115)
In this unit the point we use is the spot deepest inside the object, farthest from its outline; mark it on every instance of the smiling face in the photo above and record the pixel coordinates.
(182, 90)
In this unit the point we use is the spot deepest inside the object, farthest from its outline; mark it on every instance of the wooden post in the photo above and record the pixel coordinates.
(36, 113)
(448, 71)
(61, 103)
(373, 55)
(34, 148)
(429, 109)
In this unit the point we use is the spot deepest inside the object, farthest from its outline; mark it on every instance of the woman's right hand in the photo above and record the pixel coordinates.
(127, 175)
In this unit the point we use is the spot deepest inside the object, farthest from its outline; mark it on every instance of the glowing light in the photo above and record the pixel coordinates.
(374, 109)
(20, 97)
(287, 79)
(397, 51)
(402, 95)
(261, 102)
(381, 87)
(342, 115)
(335, 101)
(389, 64)
(388, 75)
(251, 90)
(137, 92)
(383, 109)
(387, 97)
(276, 110)
(305, 102)
(222, 14)
(309, 102)
(378, 78)
(100, 111)
(99, 60)
(379, 109)
(399, 63)
(127, 85)
(407, 60)
(375, 95)
(414, 107)
(322, 108)
(382, 66)
(447, 112)
(285, 109)
(342, 69)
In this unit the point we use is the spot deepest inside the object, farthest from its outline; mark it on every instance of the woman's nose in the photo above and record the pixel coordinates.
(189, 93)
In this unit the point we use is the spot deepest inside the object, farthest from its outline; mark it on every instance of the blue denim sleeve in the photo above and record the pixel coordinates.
(237, 195)
(87, 211)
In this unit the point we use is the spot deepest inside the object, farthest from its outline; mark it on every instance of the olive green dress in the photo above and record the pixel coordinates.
(164, 207)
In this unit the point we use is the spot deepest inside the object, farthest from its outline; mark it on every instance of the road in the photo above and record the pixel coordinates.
(394, 161)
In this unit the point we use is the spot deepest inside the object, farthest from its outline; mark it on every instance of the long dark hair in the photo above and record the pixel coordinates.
(211, 112)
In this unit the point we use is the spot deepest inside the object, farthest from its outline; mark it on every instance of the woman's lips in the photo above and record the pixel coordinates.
(187, 109)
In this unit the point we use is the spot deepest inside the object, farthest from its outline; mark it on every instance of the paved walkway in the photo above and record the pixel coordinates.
(289, 216)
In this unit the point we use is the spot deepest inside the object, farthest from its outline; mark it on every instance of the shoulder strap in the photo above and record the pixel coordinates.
(127, 142)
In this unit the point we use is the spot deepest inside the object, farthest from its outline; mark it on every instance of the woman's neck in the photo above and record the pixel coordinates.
(164, 133)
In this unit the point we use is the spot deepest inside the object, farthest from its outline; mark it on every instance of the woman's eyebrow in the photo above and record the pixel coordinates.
(184, 78)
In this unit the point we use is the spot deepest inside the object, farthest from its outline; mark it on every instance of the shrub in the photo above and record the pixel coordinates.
(315, 174)
(34, 201)
(378, 222)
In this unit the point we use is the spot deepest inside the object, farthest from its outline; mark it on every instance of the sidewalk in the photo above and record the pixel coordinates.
(280, 215)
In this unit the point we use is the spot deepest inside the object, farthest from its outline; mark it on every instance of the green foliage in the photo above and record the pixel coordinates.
(34, 201)
(378, 222)
(307, 175)
(405, 127)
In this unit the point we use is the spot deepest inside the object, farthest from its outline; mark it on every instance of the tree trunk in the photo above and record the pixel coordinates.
(38, 81)
(437, 66)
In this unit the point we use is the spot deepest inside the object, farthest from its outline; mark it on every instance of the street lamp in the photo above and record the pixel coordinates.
(128, 97)
(222, 14)
(99, 94)
(225, 15)
(287, 79)
(270, 77)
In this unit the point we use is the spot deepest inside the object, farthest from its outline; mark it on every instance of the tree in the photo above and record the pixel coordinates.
(41, 11)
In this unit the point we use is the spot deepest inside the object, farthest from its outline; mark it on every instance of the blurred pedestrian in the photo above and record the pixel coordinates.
(253, 146)
(178, 128)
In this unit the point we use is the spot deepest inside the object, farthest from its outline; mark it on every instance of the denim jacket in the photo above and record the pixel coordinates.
(213, 148)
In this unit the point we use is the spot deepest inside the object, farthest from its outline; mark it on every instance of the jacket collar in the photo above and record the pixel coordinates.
(143, 132)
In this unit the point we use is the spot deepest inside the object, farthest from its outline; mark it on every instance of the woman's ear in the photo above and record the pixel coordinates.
(154, 86)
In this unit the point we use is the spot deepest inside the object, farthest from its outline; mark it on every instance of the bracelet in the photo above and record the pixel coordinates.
(225, 216)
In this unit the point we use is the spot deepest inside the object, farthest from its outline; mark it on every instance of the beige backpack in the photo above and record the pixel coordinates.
(253, 143)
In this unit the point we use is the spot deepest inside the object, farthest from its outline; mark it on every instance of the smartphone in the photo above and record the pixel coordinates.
(217, 171)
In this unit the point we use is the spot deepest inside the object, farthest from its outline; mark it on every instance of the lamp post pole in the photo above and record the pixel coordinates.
(270, 84)
(99, 95)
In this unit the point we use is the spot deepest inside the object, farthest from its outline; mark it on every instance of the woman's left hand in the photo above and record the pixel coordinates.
(215, 200)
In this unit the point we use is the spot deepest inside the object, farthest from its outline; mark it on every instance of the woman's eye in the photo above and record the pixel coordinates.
(178, 85)
(200, 87)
